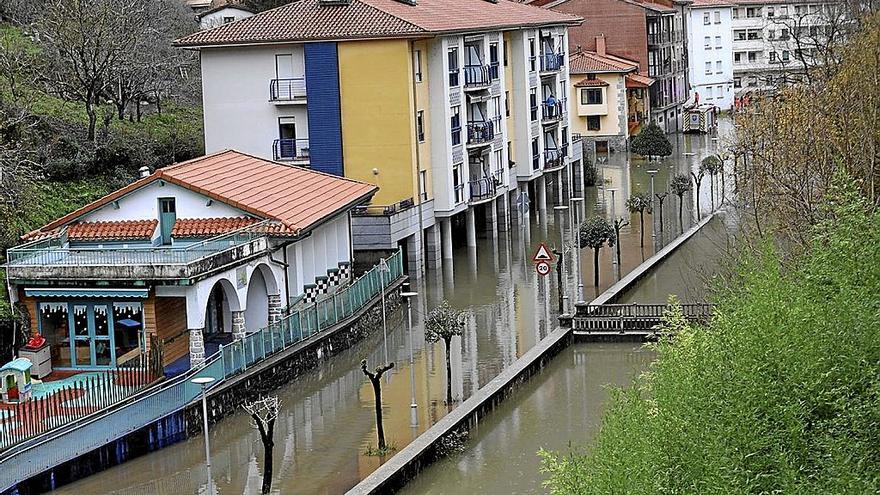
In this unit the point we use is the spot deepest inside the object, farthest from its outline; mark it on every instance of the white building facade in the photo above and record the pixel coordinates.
(710, 52)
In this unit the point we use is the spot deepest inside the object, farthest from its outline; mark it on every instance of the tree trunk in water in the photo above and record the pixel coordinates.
(267, 436)
(447, 342)
(680, 206)
(641, 228)
(617, 245)
(377, 391)
(712, 192)
(661, 216)
(699, 213)
(596, 267)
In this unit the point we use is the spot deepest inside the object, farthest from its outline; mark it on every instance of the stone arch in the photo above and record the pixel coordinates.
(272, 285)
(222, 302)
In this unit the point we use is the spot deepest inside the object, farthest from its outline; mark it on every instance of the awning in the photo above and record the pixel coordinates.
(89, 293)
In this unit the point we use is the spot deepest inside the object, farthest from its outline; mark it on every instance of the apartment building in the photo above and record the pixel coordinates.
(650, 32)
(774, 40)
(710, 52)
(452, 116)
(603, 86)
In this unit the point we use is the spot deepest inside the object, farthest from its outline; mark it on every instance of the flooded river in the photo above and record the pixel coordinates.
(327, 419)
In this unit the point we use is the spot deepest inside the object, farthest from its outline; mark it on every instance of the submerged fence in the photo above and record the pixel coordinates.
(70, 440)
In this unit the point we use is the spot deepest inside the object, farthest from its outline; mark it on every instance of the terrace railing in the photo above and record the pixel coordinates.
(479, 132)
(483, 188)
(290, 149)
(476, 76)
(552, 61)
(70, 440)
(50, 253)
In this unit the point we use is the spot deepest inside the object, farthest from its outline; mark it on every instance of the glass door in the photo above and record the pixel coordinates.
(91, 338)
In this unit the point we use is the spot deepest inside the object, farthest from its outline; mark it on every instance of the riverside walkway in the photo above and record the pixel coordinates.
(630, 320)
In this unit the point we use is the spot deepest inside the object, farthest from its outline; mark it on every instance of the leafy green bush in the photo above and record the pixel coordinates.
(780, 394)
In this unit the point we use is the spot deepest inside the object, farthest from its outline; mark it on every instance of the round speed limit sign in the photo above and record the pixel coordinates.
(542, 267)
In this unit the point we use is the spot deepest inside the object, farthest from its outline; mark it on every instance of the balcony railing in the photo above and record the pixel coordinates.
(552, 113)
(552, 62)
(480, 132)
(476, 76)
(383, 210)
(287, 89)
(553, 158)
(290, 149)
(483, 188)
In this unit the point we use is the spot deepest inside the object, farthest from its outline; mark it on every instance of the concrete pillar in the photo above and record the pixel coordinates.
(541, 186)
(503, 212)
(471, 221)
(560, 184)
(196, 347)
(433, 248)
(415, 259)
(491, 217)
(238, 326)
(275, 308)
(446, 238)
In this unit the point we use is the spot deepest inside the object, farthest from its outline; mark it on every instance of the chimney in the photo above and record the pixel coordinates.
(600, 45)
(144, 171)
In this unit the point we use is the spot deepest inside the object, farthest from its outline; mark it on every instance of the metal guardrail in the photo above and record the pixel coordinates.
(552, 113)
(476, 76)
(552, 62)
(632, 317)
(383, 210)
(480, 132)
(287, 89)
(483, 188)
(55, 447)
(48, 252)
(290, 149)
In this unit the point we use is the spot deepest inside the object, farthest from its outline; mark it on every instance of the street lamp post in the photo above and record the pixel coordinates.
(413, 416)
(613, 190)
(562, 289)
(575, 229)
(652, 172)
(383, 267)
(203, 382)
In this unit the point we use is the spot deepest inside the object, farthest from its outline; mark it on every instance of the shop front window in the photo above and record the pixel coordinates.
(55, 328)
(128, 324)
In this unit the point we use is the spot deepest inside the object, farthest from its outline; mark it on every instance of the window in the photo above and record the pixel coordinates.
(706, 19)
(772, 57)
(505, 54)
(737, 57)
(532, 54)
(536, 156)
(770, 11)
(720, 90)
(498, 166)
(753, 56)
(785, 55)
(771, 34)
(510, 162)
(420, 125)
(55, 327)
(708, 67)
(707, 42)
(735, 13)
(453, 67)
(754, 34)
(708, 92)
(227, 20)
(496, 111)
(507, 103)
(455, 125)
(458, 183)
(417, 65)
(784, 35)
(783, 11)
(739, 35)
(737, 82)
(533, 102)
(423, 184)
(718, 67)
(591, 96)
(717, 17)
(718, 42)
(493, 61)
(593, 123)
(752, 12)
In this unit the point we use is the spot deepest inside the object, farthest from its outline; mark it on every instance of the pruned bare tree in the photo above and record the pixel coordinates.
(263, 413)
(375, 377)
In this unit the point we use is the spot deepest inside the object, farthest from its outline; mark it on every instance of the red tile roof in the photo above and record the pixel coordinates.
(590, 83)
(309, 20)
(120, 230)
(208, 227)
(298, 198)
(591, 62)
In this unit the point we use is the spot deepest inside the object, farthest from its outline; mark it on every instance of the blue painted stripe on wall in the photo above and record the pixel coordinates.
(325, 122)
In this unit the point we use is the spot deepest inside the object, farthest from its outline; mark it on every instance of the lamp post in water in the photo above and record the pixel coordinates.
(653, 172)
(203, 382)
(413, 406)
(575, 236)
(383, 267)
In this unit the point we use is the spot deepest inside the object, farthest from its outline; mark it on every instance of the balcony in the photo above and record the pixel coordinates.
(383, 210)
(552, 114)
(480, 133)
(477, 77)
(554, 158)
(482, 190)
(292, 150)
(551, 63)
(52, 260)
(287, 90)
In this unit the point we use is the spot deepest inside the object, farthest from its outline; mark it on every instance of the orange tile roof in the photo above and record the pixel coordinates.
(118, 230)
(309, 20)
(591, 62)
(208, 227)
(297, 197)
(638, 81)
(590, 83)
